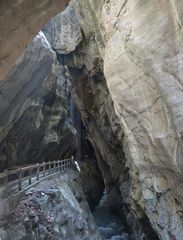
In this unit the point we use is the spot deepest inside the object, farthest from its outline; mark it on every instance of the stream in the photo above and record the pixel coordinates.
(110, 225)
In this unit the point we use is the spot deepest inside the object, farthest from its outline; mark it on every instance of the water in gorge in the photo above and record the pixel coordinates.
(110, 225)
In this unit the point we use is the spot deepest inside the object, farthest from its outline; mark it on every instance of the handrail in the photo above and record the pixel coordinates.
(34, 172)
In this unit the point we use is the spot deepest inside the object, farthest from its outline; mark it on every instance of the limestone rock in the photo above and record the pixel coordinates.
(144, 76)
(141, 48)
(64, 32)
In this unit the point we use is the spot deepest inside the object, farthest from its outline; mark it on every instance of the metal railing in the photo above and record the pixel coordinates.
(14, 181)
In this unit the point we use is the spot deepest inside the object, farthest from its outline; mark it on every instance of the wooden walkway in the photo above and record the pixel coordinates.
(14, 181)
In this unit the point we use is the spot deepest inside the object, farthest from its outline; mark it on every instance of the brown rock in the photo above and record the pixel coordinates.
(20, 21)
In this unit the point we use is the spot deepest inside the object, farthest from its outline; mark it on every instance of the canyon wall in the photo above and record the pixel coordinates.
(125, 67)
(34, 123)
(127, 83)
(39, 121)
(140, 44)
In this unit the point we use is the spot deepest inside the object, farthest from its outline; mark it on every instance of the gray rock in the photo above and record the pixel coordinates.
(34, 108)
(140, 46)
(72, 221)
(64, 32)
(130, 99)
(124, 237)
(106, 231)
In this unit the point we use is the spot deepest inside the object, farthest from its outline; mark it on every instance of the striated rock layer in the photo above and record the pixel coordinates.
(127, 84)
(140, 43)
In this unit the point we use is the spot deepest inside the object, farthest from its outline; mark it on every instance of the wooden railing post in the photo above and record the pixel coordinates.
(6, 183)
(49, 168)
(38, 167)
(57, 165)
(60, 163)
(66, 161)
(72, 160)
(30, 176)
(63, 164)
(54, 166)
(20, 180)
(44, 168)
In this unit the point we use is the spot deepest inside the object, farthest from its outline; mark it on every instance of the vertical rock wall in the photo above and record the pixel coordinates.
(125, 59)
(133, 110)
(34, 123)
(140, 43)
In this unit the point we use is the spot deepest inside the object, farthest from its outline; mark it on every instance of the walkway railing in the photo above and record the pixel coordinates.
(14, 181)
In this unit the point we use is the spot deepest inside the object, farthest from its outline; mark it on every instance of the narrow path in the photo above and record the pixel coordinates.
(110, 225)
(13, 187)
(16, 180)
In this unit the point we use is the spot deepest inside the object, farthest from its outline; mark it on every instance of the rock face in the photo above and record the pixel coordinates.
(127, 84)
(64, 32)
(136, 126)
(34, 118)
(38, 123)
(55, 209)
(140, 44)
(20, 21)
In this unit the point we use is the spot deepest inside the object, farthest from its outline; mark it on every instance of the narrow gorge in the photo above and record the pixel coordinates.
(99, 83)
